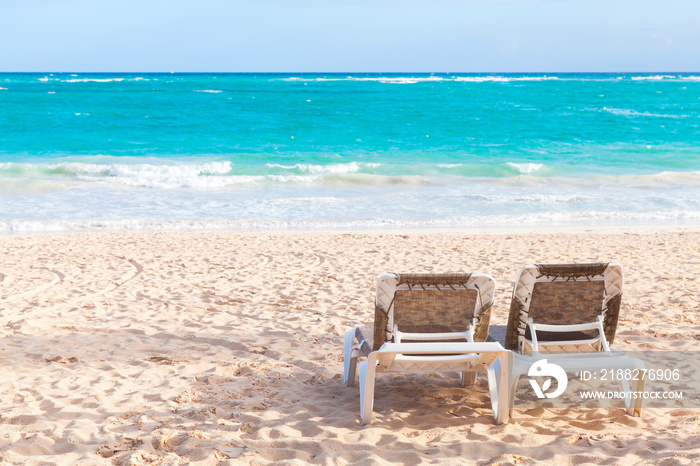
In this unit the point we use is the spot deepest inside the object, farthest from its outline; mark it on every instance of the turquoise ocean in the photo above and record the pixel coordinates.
(340, 151)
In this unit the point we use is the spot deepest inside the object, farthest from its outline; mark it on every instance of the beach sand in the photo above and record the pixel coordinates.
(222, 347)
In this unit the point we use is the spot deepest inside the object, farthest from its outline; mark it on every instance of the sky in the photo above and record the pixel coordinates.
(350, 35)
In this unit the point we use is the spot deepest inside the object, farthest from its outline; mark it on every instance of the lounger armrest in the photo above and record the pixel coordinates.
(597, 325)
(566, 328)
(467, 335)
(432, 336)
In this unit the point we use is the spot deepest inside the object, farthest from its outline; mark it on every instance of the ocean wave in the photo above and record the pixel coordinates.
(657, 77)
(504, 79)
(3, 88)
(350, 167)
(224, 174)
(93, 80)
(526, 168)
(380, 79)
(424, 171)
(216, 175)
(136, 175)
(387, 80)
(422, 79)
(157, 176)
(205, 176)
(210, 91)
(491, 78)
(634, 113)
(401, 80)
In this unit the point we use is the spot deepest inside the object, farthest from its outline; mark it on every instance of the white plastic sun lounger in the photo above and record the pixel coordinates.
(567, 314)
(430, 323)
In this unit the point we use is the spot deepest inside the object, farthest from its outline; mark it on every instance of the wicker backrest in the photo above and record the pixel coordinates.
(432, 303)
(564, 295)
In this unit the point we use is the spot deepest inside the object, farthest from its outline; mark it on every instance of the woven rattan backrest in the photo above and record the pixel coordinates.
(564, 295)
(567, 302)
(434, 311)
(433, 303)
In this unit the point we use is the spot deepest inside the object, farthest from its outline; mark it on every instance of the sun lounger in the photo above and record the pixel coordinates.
(567, 314)
(430, 323)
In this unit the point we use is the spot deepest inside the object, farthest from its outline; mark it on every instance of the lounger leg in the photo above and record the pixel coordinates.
(635, 400)
(513, 388)
(504, 389)
(493, 372)
(629, 395)
(350, 361)
(498, 374)
(636, 405)
(467, 378)
(367, 373)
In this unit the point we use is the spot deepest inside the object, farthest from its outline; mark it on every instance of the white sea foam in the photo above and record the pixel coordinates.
(3, 88)
(525, 168)
(393, 80)
(90, 80)
(421, 79)
(633, 113)
(481, 79)
(312, 168)
(212, 175)
(350, 167)
(407, 80)
(210, 91)
(93, 80)
(164, 176)
(414, 80)
(504, 79)
(379, 79)
(657, 77)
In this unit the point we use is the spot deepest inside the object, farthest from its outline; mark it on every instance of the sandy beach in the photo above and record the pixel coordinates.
(225, 348)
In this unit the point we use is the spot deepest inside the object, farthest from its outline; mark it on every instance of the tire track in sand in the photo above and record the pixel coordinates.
(138, 269)
(58, 278)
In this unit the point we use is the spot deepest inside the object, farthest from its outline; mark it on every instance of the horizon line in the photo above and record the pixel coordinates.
(350, 72)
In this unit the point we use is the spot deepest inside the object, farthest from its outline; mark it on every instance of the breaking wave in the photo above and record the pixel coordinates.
(226, 174)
